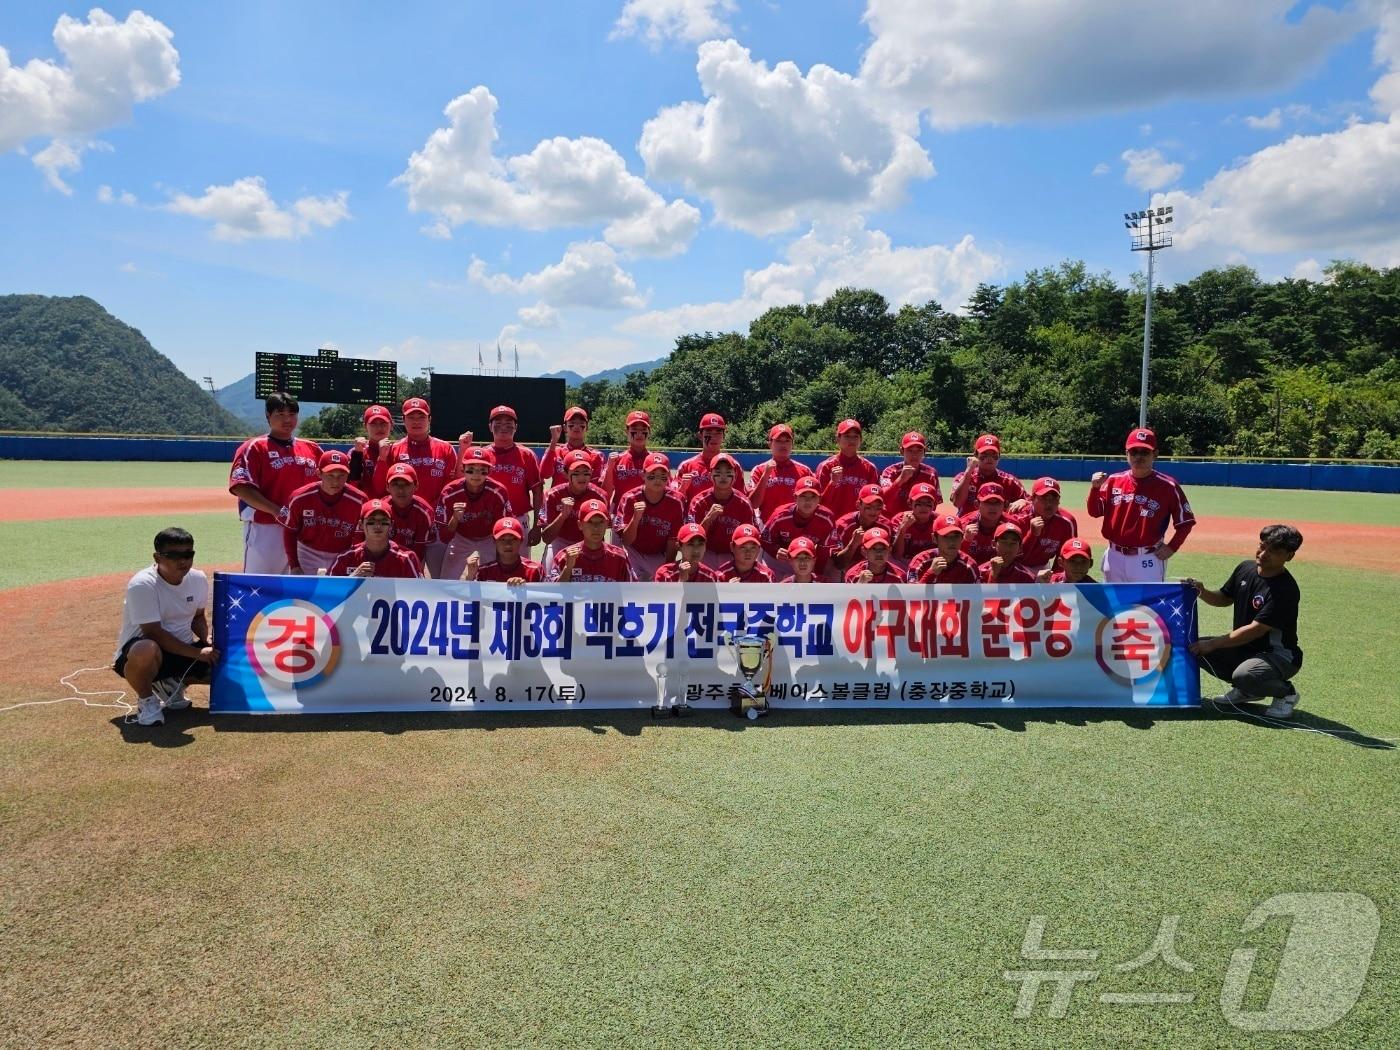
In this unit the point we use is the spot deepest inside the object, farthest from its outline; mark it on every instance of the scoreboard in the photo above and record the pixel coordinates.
(327, 377)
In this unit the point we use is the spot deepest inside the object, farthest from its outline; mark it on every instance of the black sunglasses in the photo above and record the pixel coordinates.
(177, 555)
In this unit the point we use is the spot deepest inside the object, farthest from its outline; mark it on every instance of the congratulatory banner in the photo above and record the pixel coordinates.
(340, 644)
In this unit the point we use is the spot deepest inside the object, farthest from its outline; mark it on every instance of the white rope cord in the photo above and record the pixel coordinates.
(1364, 739)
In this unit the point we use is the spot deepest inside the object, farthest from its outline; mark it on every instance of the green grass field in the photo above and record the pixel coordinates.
(846, 880)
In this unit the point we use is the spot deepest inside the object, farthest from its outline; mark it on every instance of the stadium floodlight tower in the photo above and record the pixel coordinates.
(1150, 233)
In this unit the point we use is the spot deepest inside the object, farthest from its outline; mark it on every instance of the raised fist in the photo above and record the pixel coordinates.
(905, 520)
(686, 568)
(571, 555)
(998, 563)
(1097, 477)
(566, 506)
(866, 576)
(971, 530)
(638, 508)
(465, 439)
(713, 513)
(906, 472)
(365, 568)
(939, 565)
(473, 559)
(1037, 525)
(384, 450)
(784, 554)
(837, 473)
(1017, 507)
(458, 509)
(972, 463)
(362, 445)
(858, 535)
(554, 432)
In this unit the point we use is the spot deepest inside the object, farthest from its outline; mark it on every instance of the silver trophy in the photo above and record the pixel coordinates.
(664, 704)
(752, 651)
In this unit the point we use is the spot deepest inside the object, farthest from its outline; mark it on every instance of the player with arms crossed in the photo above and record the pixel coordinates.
(1137, 505)
(266, 471)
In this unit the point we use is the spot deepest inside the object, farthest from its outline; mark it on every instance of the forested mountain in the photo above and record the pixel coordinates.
(67, 364)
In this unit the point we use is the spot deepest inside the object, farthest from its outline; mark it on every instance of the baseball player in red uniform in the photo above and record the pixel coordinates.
(321, 519)
(802, 552)
(947, 562)
(553, 463)
(377, 554)
(803, 517)
(266, 471)
(509, 567)
(517, 469)
(691, 568)
(363, 457)
(983, 467)
(412, 523)
(693, 475)
(626, 470)
(772, 484)
(850, 528)
(914, 527)
(647, 521)
(559, 524)
(980, 527)
(592, 560)
(467, 510)
(844, 475)
(433, 460)
(1137, 505)
(721, 508)
(1005, 565)
(745, 566)
(875, 566)
(1047, 527)
(1077, 557)
(897, 481)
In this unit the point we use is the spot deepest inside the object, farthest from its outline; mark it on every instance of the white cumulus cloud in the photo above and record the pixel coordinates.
(458, 178)
(976, 61)
(772, 148)
(588, 275)
(243, 210)
(1147, 169)
(657, 21)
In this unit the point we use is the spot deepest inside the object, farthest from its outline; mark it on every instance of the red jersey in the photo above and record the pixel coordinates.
(1059, 577)
(660, 520)
(551, 509)
(1040, 551)
(413, 528)
(552, 464)
(525, 569)
(517, 469)
(694, 477)
(608, 564)
(1010, 487)
(321, 522)
(961, 570)
(624, 473)
(1013, 573)
(793, 579)
(433, 460)
(760, 573)
(275, 468)
(735, 511)
(917, 538)
(848, 523)
(482, 511)
(1136, 511)
(785, 526)
(362, 470)
(897, 495)
(395, 563)
(891, 573)
(856, 473)
(772, 483)
(671, 573)
(982, 546)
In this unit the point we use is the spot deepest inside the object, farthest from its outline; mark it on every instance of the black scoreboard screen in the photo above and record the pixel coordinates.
(327, 377)
(462, 403)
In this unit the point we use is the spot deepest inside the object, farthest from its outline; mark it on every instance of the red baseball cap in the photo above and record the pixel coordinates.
(912, 439)
(991, 490)
(801, 545)
(690, 531)
(923, 490)
(636, 419)
(1007, 527)
(502, 410)
(378, 412)
(416, 404)
(576, 458)
(726, 458)
(847, 424)
(870, 493)
(656, 461)
(1076, 548)
(947, 525)
(711, 420)
(507, 527)
(744, 535)
(375, 506)
(778, 430)
(334, 460)
(1142, 438)
(576, 410)
(874, 536)
(592, 508)
(402, 470)
(806, 484)
(1045, 485)
(987, 441)
(476, 454)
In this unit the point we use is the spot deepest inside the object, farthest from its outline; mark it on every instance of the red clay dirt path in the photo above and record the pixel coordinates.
(51, 504)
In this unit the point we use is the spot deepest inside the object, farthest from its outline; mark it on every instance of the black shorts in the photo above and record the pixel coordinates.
(172, 665)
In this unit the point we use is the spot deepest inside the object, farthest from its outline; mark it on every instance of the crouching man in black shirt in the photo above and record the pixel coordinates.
(1261, 654)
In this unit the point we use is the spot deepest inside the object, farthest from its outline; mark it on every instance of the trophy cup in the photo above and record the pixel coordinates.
(663, 705)
(752, 651)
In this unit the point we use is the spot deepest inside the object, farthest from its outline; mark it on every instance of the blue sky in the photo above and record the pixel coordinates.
(273, 176)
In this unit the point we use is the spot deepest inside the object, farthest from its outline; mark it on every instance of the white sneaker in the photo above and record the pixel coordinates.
(171, 696)
(1234, 696)
(1283, 706)
(148, 712)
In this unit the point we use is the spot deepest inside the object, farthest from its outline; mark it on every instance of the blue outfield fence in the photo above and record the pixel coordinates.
(1340, 477)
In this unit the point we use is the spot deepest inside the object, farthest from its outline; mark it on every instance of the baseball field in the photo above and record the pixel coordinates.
(847, 879)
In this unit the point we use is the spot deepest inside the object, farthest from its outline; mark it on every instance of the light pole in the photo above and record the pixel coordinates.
(1150, 234)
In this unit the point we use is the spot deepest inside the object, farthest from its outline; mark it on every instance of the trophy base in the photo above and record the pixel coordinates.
(745, 703)
(674, 710)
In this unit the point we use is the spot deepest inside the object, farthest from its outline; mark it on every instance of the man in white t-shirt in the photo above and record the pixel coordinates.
(164, 640)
